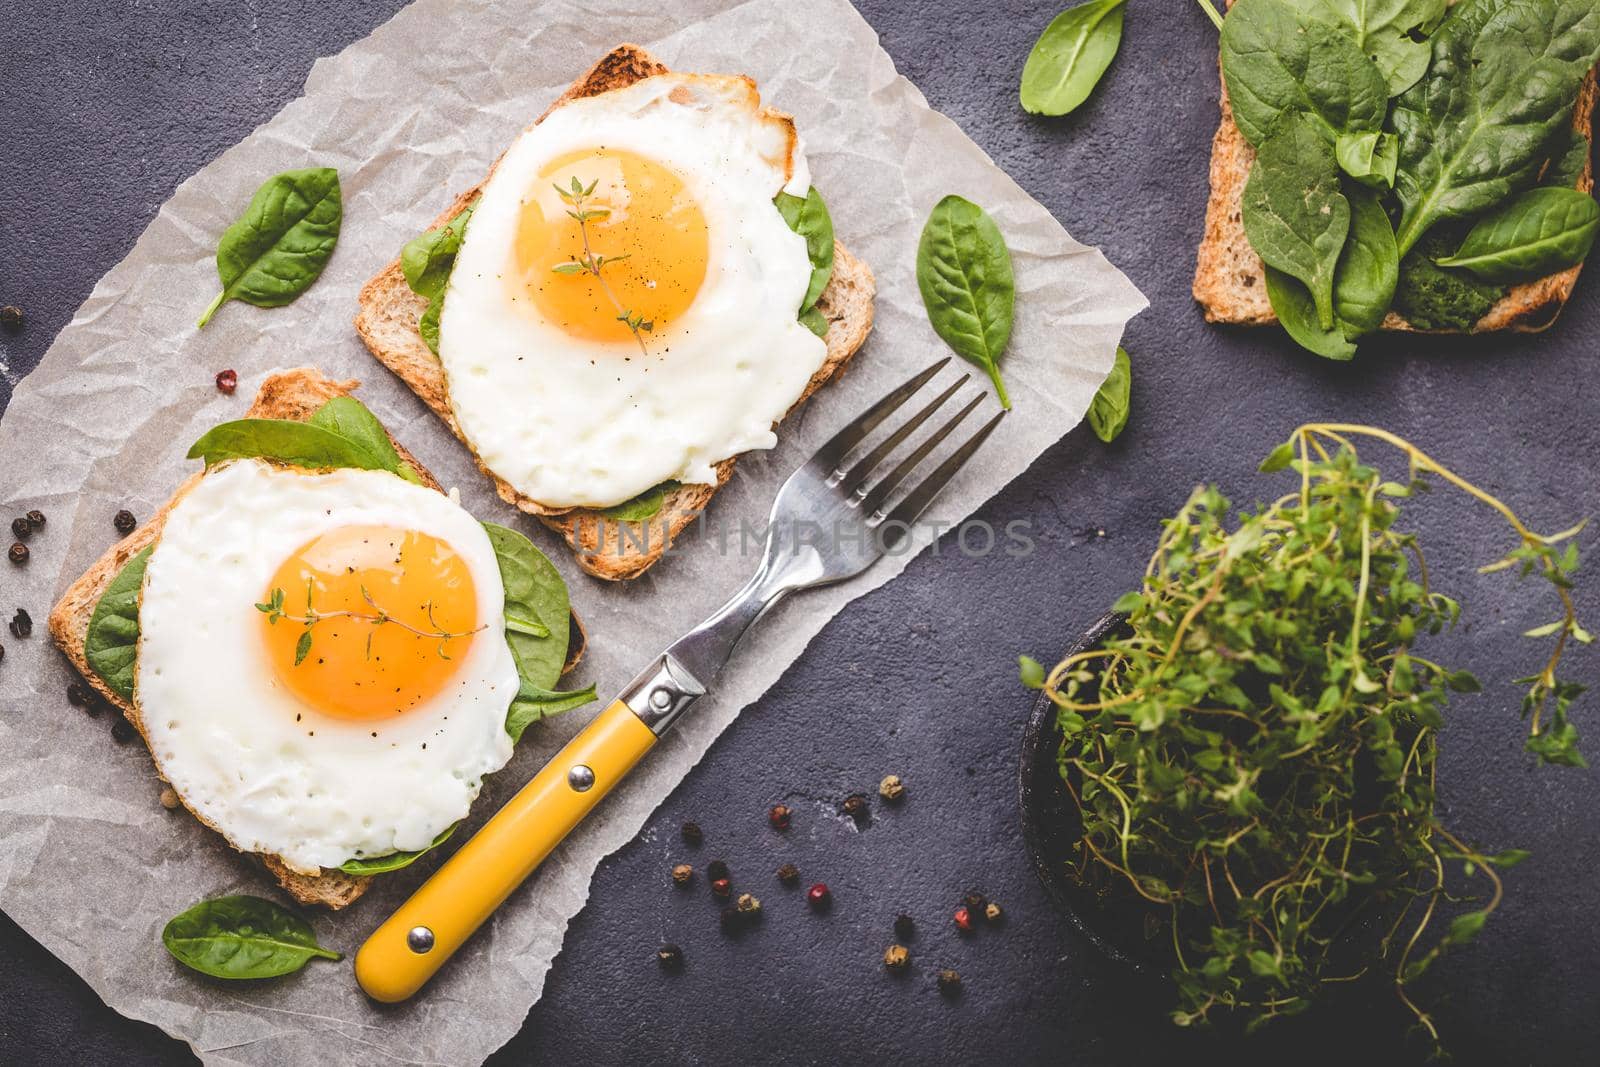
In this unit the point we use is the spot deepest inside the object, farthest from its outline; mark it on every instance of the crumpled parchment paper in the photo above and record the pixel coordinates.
(90, 864)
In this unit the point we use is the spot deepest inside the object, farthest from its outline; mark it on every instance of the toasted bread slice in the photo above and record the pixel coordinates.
(295, 394)
(1230, 279)
(609, 549)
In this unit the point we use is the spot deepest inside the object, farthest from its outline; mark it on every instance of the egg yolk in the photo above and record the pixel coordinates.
(390, 615)
(638, 253)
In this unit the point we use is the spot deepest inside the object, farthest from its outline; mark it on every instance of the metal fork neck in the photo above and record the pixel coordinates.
(661, 693)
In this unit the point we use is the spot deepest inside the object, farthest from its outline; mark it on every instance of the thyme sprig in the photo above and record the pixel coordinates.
(1256, 758)
(576, 196)
(273, 609)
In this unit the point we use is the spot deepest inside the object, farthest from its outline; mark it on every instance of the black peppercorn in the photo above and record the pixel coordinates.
(975, 901)
(125, 522)
(717, 870)
(905, 927)
(21, 528)
(692, 834)
(122, 731)
(732, 918)
(949, 982)
(670, 956)
(36, 519)
(10, 317)
(18, 553)
(855, 806)
(21, 624)
(77, 695)
(788, 874)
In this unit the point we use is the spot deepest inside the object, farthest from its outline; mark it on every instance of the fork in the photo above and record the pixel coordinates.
(832, 520)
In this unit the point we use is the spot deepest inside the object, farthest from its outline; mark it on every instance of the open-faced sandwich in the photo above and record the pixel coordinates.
(643, 286)
(1408, 166)
(323, 651)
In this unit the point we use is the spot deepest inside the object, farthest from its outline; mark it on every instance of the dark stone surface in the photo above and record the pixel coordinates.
(105, 113)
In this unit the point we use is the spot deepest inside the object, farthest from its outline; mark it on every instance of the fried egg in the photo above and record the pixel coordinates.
(367, 731)
(624, 307)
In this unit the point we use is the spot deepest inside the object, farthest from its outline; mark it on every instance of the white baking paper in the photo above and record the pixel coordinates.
(90, 864)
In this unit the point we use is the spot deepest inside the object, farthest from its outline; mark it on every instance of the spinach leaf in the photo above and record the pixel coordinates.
(242, 937)
(1108, 411)
(1291, 302)
(815, 321)
(1538, 233)
(298, 444)
(647, 505)
(534, 703)
(282, 242)
(1293, 211)
(1278, 59)
(350, 418)
(1431, 298)
(427, 261)
(808, 216)
(1566, 162)
(1384, 30)
(1369, 158)
(394, 860)
(341, 433)
(1363, 285)
(964, 274)
(1499, 89)
(112, 643)
(535, 594)
(1071, 56)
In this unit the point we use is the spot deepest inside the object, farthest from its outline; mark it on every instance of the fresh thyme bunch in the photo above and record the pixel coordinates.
(1258, 756)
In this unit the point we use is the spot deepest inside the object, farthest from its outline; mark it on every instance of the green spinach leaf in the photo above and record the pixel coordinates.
(427, 261)
(1363, 285)
(1369, 158)
(282, 242)
(341, 433)
(112, 643)
(1538, 233)
(394, 860)
(964, 275)
(815, 321)
(1278, 59)
(1387, 31)
(647, 505)
(1071, 56)
(535, 594)
(1293, 211)
(350, 418)
(1500, 87)
(808, 216)
(242, 937)
(1108, 411)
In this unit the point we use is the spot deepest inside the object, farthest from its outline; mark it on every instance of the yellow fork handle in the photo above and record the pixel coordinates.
(403, 953)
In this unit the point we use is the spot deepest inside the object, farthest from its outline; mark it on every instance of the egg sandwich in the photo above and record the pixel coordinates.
(324, 652)
(643, 286)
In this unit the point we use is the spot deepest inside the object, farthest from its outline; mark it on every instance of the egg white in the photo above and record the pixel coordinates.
(569, 422)
(268, 772)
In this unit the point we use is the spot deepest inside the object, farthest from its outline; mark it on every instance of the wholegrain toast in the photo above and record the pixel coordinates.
(294, 394)
(1230, 279)
(604, 547)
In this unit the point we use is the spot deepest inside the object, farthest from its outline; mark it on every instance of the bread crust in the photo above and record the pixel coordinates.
(294, 394)
(609, 549)
(1230, 279)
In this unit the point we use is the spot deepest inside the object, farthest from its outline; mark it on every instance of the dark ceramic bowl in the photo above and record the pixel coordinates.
(1114, 921)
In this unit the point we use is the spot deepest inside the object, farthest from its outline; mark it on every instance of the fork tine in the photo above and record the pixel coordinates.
(874, 501)
(911, 508)
(866, 464)
(831, 454)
